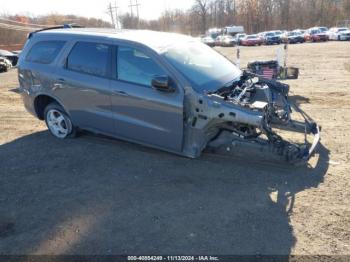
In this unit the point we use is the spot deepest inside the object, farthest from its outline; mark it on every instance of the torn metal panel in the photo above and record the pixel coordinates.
(243, 116)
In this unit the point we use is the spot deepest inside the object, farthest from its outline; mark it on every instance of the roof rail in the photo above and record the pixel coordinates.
(55, 27)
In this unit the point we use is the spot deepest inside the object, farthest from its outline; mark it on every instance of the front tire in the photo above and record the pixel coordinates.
(58, 122)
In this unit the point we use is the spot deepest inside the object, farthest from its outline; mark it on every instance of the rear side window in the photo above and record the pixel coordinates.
(89, 58)
(44, 52)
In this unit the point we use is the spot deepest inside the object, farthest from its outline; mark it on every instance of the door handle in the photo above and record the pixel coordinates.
(120, 93)
(59, 83)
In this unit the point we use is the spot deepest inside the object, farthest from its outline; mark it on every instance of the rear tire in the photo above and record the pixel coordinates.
(58, 122)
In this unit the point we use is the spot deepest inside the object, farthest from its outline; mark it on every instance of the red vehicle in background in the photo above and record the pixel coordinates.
(316, 35)
(251, 40)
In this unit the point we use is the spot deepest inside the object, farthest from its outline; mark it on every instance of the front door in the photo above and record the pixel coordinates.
(142, 113)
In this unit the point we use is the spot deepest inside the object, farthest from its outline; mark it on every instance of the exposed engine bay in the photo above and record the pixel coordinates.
(243, 115)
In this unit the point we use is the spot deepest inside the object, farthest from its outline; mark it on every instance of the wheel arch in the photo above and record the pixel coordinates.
(41, 101)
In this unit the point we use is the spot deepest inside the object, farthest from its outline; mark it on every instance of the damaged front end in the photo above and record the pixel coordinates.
(246, 117)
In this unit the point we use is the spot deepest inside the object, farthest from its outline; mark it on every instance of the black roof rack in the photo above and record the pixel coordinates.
(55, 27)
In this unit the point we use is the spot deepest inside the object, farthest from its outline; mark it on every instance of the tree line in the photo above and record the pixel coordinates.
(14, 34)
(254, 15)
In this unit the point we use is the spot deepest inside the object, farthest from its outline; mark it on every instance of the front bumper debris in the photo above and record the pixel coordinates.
(229, 143)
(250, 117)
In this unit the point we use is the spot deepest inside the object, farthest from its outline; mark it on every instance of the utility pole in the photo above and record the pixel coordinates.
(110, 11)
(131, 8)
(113, 10)
(137, 10)
(116, 15)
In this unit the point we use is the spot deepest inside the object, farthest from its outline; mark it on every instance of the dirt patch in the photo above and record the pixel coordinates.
(94, 195)
(347, 66)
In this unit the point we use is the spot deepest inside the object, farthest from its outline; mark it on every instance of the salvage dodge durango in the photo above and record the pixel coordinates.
(164, 90)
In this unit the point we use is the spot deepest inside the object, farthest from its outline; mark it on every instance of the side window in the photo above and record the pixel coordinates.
(89, 58)
(136, 67)
(44, 52)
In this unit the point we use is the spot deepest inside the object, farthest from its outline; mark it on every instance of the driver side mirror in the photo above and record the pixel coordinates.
(161, 83)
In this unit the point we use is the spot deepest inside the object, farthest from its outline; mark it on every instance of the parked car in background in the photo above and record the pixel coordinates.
(3, 67)
(251, 40)
(214, 32)
(293, 37)
(227, 41)
(233, 30)
(218, 40)
(301, 32)
(278, 33)
(339, 33)
(17, 52)
(5, 64)
(208, 40)
(7, 61)
(239, 37)
(270, 38)
(10, 56)
(322, 29)
(261, 36)
(315, 35)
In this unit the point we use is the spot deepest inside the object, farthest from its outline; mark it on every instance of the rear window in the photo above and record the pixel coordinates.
(89, 58)
(44, 52)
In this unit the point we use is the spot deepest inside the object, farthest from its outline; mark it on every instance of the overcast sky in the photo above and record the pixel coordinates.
(149, 9)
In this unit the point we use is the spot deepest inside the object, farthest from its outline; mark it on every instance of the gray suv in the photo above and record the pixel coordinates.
(164, 90)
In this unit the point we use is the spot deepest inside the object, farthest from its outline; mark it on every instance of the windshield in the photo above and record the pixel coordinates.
(270, 34)
(251, 36)
(203, 67)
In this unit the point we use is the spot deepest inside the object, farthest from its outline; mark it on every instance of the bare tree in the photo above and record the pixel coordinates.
(201, 8)
(254, 15)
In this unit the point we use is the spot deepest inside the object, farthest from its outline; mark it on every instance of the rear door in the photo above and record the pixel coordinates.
(83, 84)
(142, 113)
(37, 64)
